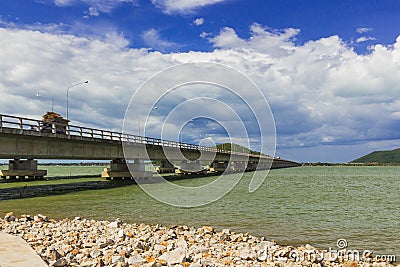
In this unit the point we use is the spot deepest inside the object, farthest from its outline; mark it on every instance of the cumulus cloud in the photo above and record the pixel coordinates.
(365, 39)
(183, 6)
(198, 21)
(103, 32)
(153, 39)
(95, 6)
(363, 30)
(93, 11)
(272, 42)
(205, 34)
(322, 93)
(64, 2)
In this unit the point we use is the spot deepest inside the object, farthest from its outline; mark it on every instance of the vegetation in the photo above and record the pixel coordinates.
(237, 148)
(381, 157)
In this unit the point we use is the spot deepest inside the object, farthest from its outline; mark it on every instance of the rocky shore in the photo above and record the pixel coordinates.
(82, 242)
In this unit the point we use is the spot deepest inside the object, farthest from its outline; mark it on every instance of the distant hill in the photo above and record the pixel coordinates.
(389, 156)
(237, 148)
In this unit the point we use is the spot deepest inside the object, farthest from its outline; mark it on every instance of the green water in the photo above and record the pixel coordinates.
(315, 205)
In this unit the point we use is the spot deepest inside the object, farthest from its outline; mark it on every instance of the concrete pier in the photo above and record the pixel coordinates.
(251, 166)
(120, 169)
(220, 166)
(190, 167)
(166, 167)
(22, 169)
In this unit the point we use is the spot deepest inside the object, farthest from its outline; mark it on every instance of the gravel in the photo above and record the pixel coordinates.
(82, 242)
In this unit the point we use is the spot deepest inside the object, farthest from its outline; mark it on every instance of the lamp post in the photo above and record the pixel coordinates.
(69, 87)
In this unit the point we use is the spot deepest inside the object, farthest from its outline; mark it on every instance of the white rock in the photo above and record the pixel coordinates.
(43, 217)
(174, 257)
(181, 243)
(116, 259)
(246, 253)
(159, 247)
(88, 263)
(121, 233)
(95, 253)
(136, 259)
(113, 225)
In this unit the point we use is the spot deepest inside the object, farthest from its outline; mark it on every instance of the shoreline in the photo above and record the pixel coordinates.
(82, 242)
(25, 190)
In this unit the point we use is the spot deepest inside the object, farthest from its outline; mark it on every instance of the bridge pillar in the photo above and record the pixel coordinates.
(190, 167)
(239, 166)
(220, 166)
(264, 165)
(165, 167)
(120, 169)
(138, 165)
(251, 166)
(22, 169)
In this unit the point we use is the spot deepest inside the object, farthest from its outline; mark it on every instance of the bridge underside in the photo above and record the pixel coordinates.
(26, 144)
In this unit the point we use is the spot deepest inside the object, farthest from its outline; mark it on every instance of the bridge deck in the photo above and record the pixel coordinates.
(25, 138)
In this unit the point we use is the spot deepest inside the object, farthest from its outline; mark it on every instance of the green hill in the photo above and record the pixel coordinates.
(237, 148)
(390, 156)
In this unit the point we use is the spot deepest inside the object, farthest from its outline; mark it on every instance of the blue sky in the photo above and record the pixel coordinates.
(174, 22)
(329, 69)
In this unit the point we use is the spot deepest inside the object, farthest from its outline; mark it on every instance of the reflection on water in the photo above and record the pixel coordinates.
(315, 205)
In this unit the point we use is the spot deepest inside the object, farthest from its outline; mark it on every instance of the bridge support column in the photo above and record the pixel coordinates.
(239, 166)
(138, 169)
(264, 165)
(22, 169)
(165, 167)
(251, 166)
(120, 169)
(190, 167)
(220, 166)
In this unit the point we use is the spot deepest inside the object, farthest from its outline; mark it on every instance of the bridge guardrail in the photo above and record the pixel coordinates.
(27, 124)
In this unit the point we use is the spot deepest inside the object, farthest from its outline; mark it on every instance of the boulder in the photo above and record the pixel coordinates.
(10, 217)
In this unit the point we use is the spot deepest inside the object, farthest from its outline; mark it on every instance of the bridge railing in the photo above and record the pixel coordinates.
(27, 124)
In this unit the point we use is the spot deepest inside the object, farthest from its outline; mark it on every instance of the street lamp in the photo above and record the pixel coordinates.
(69, 87)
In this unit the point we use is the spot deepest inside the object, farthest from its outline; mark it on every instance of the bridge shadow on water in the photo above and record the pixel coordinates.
(29, 191)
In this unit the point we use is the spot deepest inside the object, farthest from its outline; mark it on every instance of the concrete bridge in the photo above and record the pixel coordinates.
(24, 140)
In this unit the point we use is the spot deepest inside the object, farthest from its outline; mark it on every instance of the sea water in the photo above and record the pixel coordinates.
(295, 206)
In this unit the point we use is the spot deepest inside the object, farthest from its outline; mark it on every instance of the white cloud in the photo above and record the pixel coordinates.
(154, 40)
(104, 32)
(205, 34)
(365, 39)
(93, 11)
(96, 6)
(63, 3)
(322, 93)
(227, 38)
(198, 21)
(183, 6)
(364, 30)
(55, 28)
(272, 42)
